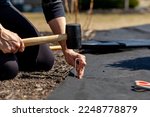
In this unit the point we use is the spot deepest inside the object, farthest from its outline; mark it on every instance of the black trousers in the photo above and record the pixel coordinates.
(35, 58)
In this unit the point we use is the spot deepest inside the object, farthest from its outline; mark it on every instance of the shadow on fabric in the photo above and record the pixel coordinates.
(133, 64)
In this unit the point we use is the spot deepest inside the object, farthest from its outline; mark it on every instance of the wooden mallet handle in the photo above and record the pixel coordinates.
(72, 37)
(43, 39)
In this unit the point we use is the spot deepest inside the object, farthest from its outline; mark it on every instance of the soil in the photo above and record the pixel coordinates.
(35, 85)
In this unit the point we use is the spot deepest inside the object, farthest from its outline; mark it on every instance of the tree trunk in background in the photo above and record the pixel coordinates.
(67, 6)
(72, 6)
(126, 5)
(76, 11)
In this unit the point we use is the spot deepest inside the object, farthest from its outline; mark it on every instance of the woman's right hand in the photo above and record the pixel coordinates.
(10, 42)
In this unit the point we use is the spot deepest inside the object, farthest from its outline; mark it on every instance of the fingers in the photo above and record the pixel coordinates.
(80, 70)
(22, 47)
(10, 42)
(19, 45)
(6, 50)
(77, 60)
(9, 48)
(16, 45)
(80, 67)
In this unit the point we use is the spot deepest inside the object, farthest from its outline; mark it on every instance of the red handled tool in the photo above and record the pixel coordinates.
(142, 84)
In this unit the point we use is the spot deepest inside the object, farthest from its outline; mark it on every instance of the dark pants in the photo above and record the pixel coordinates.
(35, 58)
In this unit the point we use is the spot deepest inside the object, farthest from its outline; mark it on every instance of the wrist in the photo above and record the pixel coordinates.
(68, 51)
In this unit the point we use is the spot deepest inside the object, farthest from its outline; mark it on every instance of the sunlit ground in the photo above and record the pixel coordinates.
(96, 21)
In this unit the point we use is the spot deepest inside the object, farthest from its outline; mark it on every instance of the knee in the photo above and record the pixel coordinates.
(46, 64)
(9, 70)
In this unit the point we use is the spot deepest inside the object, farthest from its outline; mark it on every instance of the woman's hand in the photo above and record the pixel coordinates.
(10, 42)
(72, 57)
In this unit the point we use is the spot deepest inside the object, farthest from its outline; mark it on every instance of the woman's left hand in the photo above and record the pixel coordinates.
(72, 57)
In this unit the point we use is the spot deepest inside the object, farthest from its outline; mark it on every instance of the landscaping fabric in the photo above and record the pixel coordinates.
(111, 74)
(108, 76)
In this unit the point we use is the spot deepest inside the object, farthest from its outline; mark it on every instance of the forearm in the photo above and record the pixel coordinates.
(58, 26)
(55, 17)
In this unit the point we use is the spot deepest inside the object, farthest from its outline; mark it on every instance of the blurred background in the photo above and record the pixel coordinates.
(91, 14)
(34, 5)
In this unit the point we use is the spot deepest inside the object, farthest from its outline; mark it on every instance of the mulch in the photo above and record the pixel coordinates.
(35, 85)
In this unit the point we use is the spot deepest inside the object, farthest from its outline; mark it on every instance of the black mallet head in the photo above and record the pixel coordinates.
(73, 32)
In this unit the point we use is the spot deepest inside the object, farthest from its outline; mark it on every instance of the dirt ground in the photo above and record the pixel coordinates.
(35, 85)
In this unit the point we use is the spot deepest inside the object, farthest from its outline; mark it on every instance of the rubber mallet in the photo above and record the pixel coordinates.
(72, 37)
